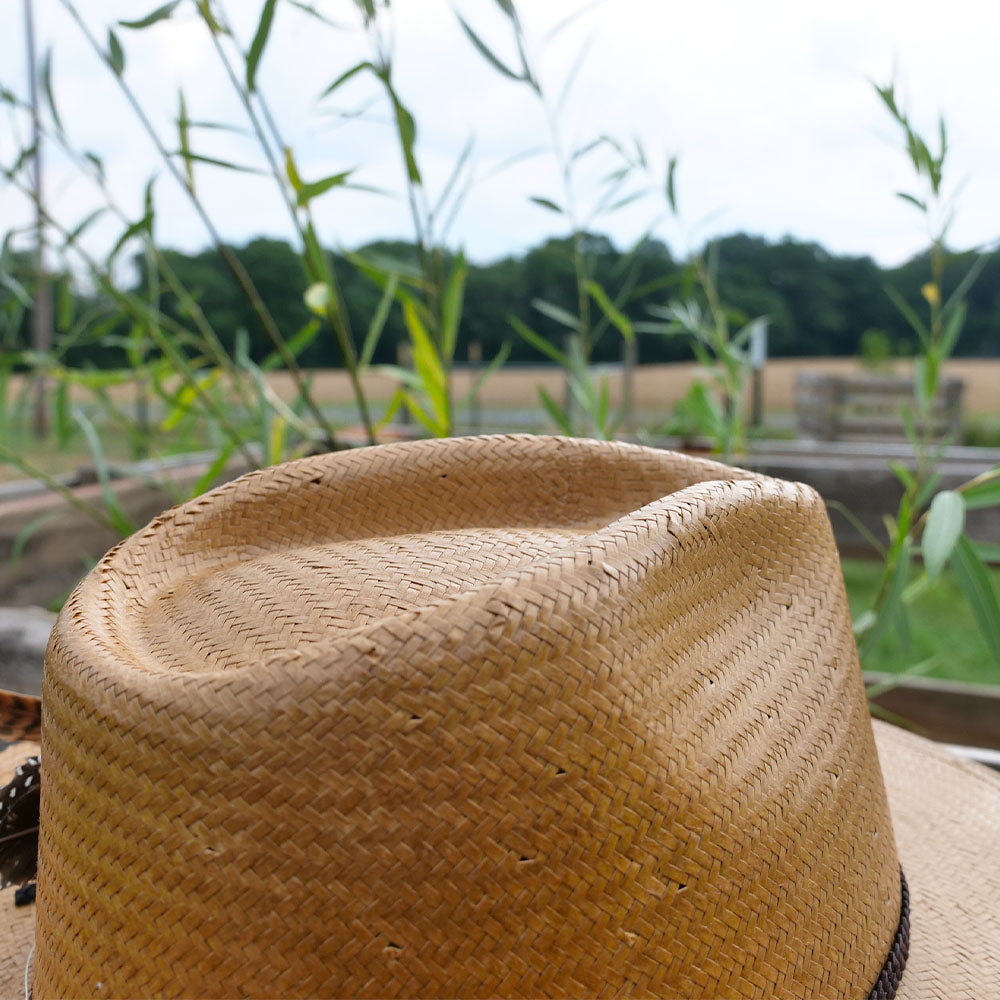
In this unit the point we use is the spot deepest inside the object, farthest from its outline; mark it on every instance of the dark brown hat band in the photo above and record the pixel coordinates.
(892, 972)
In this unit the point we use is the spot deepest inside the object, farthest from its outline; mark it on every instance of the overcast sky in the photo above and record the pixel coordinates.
(769, 108)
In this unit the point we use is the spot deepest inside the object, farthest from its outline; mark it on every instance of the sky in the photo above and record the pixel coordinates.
(769, 109)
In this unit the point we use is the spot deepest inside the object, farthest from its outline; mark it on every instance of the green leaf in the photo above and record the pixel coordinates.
(945, 522)
(47, 86)
(296, 345)
(975, 583)
(952, 328)
(207, 479)
(620, 321)
(487, 53)
(74, 234)
(377, 323)
(556, 412)
(546, 203)
(64, 304)
(184, 137)
(427, 363)
(160, 14)
(116, 55)
(63, 421)
(671, 188)
(988, 551)
(347, 75)
(213, 161)
(258, 43)
(305, 192)
(562, 316)
(495, 364)
(922, 205)
(983, 491)
(143, 225)
(406, 129)
(909, 315)
(538, 342)
(122, 523)
(899, 577)
(205, 10)
(451, 306)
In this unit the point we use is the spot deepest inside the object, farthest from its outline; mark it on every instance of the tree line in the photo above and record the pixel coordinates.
(817, 303)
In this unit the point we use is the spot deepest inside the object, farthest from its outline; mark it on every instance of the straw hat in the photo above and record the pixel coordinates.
(504, 716)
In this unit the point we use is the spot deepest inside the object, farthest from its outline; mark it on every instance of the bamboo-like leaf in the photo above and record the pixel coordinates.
(427, 363)
(451, 306)
(899, 577)
(296, 345)
(497, 362)
(96, 162)
(64, 305)
(116, 55)
(487, 53)
(214, 161)
(538, 342)
(160, 14)
(919, 327)
(670, 186)
(205, 10)
(305, 192)
(620, 321)
(983, 491)
(184, 137)
(556, 412)
(377, 323)
(406, 129)
(975, 583)
(952, 328)
(121, 521)
(276, 440)
(77, 231)
(913, 200)
(186, 398)
(207, 479)
(47, 86)
(63, 421)
(348, 74)
(562, 316)
(989, 552)
(546, 203)
(142, 225)
(258, 43)
(945, 523)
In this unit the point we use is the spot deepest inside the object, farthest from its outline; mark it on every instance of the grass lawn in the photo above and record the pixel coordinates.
(941, 624)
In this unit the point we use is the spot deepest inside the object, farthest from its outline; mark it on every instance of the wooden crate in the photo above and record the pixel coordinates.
(872, 408)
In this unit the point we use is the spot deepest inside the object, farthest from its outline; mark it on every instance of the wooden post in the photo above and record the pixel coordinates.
(41, 311)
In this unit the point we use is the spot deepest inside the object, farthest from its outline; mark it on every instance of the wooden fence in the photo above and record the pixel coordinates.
(872, 408)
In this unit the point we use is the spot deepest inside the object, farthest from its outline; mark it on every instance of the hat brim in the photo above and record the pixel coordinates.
(946, 818)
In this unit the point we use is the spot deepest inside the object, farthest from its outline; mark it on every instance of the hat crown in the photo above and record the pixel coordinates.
(497, 716)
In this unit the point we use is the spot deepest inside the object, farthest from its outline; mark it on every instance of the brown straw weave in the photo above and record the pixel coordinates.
(500, 716)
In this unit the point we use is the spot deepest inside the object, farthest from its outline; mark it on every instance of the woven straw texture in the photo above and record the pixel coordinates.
(500, 716)
(946, 813)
